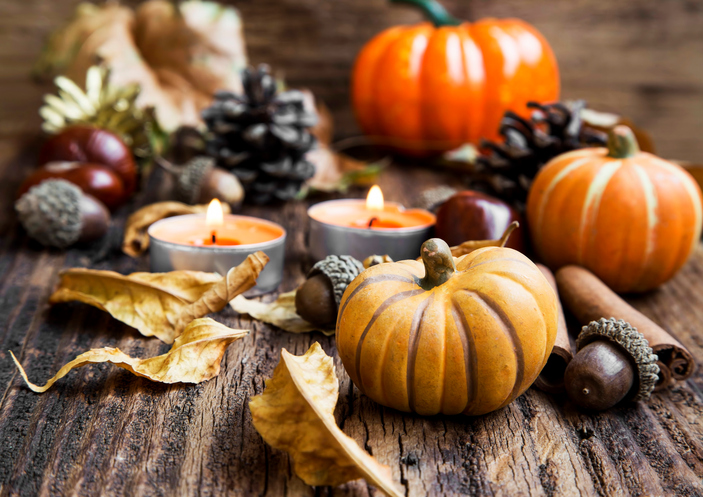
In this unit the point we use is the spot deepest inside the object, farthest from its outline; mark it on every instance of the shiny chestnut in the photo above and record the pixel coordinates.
(99, 181)
(93, 145)
(472, 215)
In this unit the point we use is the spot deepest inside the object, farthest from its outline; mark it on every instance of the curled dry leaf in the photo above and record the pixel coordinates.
(471, 245)
(158, 304)
(324, 128)
(194, 357)
(136, 239)
(295, 413)
(178, 53)
(280, 312)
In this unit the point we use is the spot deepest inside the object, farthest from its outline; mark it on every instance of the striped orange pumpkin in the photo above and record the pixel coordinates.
(630, 217)
(464, 335)
(437, 85)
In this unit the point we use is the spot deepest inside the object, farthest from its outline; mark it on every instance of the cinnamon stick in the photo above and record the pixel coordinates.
(589, 299)
(551, 379)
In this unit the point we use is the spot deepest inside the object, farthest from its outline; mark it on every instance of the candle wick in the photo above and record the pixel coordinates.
(214, 238)
(371, 221)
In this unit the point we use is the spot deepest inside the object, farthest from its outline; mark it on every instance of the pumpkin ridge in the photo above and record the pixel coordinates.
(652, 204)
(470, 358)
(529, 292)
(504, 259)
(591, 204)
(413, 343)
(501, 318)
(370, 281)
(472, 61)
(695, 196)
(394, 299)
(377, 122)
(684, 251)
(561, 175)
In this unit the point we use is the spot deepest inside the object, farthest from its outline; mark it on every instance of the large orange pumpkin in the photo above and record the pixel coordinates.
(434, 86)
(630, 217)
(447, 335)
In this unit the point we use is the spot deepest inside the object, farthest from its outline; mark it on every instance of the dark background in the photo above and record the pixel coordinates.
(640, 58)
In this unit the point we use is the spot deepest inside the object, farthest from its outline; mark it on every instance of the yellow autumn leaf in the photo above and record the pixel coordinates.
(295, 413)
(280, 312)
(194, 357)
(136, 239)
(158, 304)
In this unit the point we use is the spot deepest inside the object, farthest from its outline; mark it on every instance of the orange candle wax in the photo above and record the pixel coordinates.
(354, 214)
(234, 231)
(216, 240)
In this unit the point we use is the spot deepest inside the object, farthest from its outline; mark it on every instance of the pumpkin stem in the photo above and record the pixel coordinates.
(508, 231)
(439, 263)
(434, 11)
(622, 143)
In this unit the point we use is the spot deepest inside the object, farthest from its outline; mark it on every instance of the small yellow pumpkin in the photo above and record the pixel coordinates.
(447, 335)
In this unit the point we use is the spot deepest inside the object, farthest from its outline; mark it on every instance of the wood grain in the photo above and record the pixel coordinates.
(101, 431)
(640, 58)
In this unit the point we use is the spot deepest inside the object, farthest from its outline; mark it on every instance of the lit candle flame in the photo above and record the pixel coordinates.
(374, 200)
(214, 217)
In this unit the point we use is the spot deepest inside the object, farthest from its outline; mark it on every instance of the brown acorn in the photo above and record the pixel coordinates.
(614, 363)
(99, 181)
(317, 299)
(199, 181)
(57, 213)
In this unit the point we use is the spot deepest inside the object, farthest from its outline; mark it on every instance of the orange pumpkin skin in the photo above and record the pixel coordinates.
(632, 221)
(470, 345)
(430, 89)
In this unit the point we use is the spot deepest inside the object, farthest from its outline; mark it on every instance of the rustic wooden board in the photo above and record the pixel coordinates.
(642, 58)
(101, 431)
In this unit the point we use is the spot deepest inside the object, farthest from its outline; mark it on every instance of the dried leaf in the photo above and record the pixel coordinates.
(471, 245)
(295, 413)
(136, 239)
(194, 357)
(158, 304)
(280, 312)
(324, 129)
(179, 54)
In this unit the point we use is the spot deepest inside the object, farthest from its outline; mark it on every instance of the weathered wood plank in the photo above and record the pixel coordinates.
(100, 431)
(640, 58)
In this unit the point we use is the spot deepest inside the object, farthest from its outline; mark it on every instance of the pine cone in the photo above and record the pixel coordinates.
(262, 137)
(507, 169)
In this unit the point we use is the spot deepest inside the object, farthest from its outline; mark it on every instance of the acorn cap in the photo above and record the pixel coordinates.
(341, 271)
(50, 213)
(636, 346)
(192, 178)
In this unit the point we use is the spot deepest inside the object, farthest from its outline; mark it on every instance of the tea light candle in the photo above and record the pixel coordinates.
(215, 243)
(361, 228)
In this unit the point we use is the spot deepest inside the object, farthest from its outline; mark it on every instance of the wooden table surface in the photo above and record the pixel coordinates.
(102, 431)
